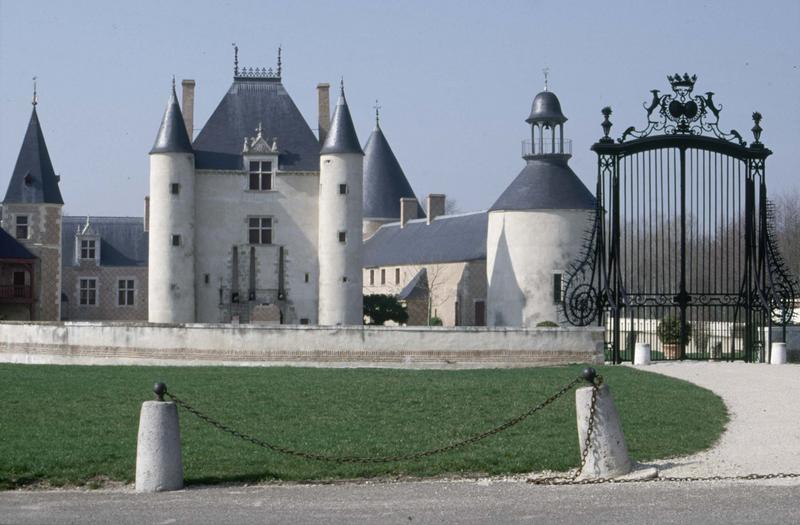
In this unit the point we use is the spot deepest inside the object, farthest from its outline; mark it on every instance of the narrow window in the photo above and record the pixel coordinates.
(342, 189)
(206, 278)
(372, 277)
(259, 230)
(304, 320)
(174, 188)
(344, 279)
(22, 226)
(557, 288)
(308, 277)
(397, 276)
(87, 248)
(383, 275)
(342, 236)
(176, 240)
(88, 292)
(125, 292)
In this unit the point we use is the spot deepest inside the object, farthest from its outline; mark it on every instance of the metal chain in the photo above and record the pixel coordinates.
(377, 459)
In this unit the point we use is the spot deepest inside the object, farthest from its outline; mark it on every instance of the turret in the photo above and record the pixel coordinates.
(340, 216)
(536, 226)
(171, 295)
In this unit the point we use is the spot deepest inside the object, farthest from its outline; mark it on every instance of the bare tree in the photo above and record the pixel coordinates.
(787, 228)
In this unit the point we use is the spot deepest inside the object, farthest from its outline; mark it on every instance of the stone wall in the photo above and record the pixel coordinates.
(239, 345)
(107, 307)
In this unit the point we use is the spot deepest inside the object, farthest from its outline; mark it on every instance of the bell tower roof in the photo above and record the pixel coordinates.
(172, 136)
(546, 109)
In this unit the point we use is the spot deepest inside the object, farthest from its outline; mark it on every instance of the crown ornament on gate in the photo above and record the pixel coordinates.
(683, 112)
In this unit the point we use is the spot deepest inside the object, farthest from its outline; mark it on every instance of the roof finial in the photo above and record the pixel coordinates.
(235, 59)
(35, 96)
(279, 61)
(546, 72)
(377, 113)
(173, 82)
(259, 130)
(341, 84)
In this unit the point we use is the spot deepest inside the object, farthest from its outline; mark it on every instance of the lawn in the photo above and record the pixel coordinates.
(75, 425)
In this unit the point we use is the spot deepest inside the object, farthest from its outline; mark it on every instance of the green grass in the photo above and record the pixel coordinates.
(77, 425)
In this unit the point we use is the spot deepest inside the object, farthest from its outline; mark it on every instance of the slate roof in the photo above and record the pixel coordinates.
(248, 103)
(416, 288)
(123, 241)
(545, 184)
(10, 248)
(384, 181)
(449, 238)
(33, 179)
(341, 137)
(172, 136)
(546, 108)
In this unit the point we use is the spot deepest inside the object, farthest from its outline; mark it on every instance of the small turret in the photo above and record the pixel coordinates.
(171, 295)
(340, 221)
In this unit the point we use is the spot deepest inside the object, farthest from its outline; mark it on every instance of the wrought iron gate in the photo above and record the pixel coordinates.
(681, 253)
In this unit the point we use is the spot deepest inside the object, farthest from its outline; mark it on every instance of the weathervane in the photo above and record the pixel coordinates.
(279, 60)
(377, 108)
(35, 96)
(235, 59)
(546, 72)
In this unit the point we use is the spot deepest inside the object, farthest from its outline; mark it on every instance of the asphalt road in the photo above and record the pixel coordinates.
(464, 502)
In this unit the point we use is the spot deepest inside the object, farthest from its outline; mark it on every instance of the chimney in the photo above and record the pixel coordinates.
(409, 210)
(324, 110)
(435, 206)
(147, 213)
(187, 106)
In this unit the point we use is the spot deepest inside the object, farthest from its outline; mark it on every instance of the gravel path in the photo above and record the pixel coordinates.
(763, 435)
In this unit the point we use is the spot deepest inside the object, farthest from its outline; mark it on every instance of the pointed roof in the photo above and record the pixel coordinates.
(248, 102)
(384, 181)
(33, 180)
(545, 184)
(341, 137)
(172, 136)
(10, 248)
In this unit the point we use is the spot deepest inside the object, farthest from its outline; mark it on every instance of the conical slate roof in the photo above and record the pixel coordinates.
(384, 181)
(172, 136)
(546, 108)
(33, 180)
(342, 136)
(545, 184)
(248, 103)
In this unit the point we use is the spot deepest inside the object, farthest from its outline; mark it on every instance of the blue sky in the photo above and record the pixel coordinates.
(455, 79)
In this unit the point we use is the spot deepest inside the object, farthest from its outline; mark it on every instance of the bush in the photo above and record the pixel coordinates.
(435, 321)
(546, 324)
(379, 308)
(669, 331)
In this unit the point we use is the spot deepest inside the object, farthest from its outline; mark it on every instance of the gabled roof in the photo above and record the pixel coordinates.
(248, 103)
(10, 248)
(384, 181)
(172, 136)
(123, 241)
(341, 137)
(417, 287)
(545, 184)
(449, 238)
(33, 179)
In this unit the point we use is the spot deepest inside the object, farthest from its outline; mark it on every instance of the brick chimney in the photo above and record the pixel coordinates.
(435, 205)
(324, 110)
(187, 106)
(409, 210)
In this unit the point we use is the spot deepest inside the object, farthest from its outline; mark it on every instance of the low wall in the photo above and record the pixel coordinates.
(248, 345)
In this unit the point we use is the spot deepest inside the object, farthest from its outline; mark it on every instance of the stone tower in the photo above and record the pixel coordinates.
(340, 215)
(536, 226)
(32, 212)
(171, 295)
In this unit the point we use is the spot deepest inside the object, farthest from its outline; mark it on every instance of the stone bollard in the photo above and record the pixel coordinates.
(778, 354)
(641, 354)
(608, 453)
(158, 451)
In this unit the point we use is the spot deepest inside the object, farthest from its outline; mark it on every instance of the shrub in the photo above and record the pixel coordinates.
(669, 331)
(435, 321)
(546, 324)
(379, 308)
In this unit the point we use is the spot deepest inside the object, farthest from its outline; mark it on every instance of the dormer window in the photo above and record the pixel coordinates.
(88, 249)
(261, 175)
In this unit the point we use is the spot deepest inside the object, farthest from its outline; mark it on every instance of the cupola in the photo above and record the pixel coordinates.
(546, 116)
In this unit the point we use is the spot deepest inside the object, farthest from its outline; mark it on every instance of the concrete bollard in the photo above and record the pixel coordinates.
(158, 451)
(641, 354)
(608, 453)
(778, 354)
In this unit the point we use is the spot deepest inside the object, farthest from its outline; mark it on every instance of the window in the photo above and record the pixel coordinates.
(304, 320)
(372, 277)
(342, 236)
(88, 292)
(174, 188)
(397, 276)
(22, 226)
(344, 279)
(308, 277)
(557, 288)
(259, 230)
(87, 248)
(342, 189)
(261, 175)
(125, 292)
(176, 240)
(206, 278)
(383, 275)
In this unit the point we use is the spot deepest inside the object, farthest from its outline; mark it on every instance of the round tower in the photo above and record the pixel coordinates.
(170, 287)
(536, 226)
(340, 216)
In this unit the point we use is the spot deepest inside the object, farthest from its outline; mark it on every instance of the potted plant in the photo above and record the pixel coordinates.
(669, 333)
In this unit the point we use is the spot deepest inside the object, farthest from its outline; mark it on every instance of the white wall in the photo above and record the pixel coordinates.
(196, 344)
